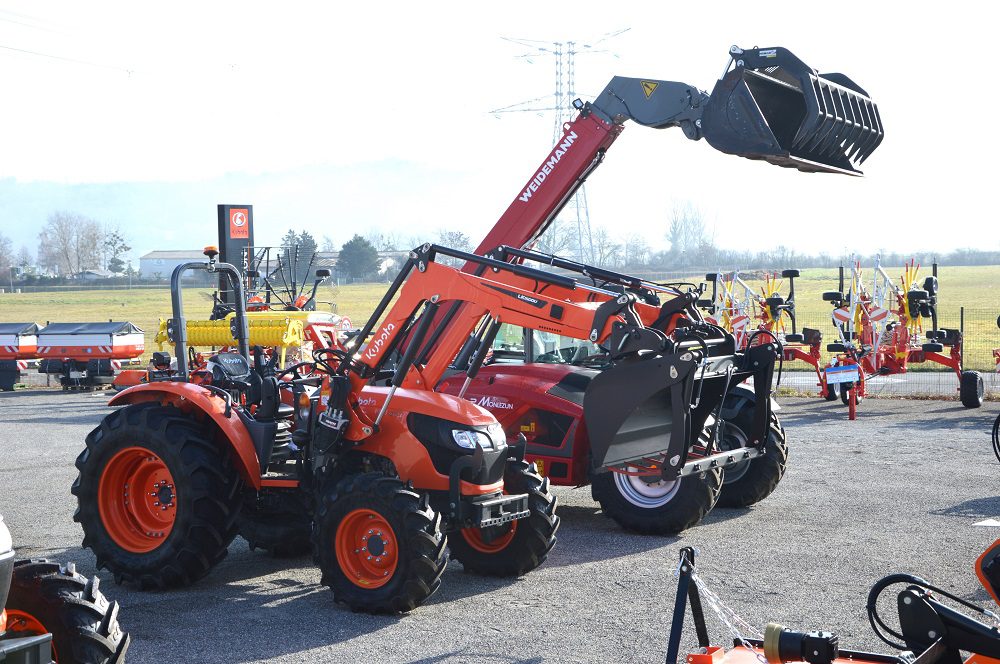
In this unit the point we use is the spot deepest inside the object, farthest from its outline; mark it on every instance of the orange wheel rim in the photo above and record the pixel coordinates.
(137, 500)
(474, 538)
(22, 623)
(366, 548)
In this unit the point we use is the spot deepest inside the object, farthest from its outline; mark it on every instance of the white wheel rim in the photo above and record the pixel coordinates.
(644, 494)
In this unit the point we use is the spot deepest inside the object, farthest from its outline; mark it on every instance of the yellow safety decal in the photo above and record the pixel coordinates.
(648, 87)
(540, 467)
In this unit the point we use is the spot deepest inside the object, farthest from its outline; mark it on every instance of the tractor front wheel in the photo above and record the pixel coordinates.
(845, 393)
(971, 389)
(157, 497)
(654, 506)
(46, 597)
(514, 548)
(379, 544)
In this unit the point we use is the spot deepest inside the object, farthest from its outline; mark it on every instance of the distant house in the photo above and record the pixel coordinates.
(164, 262)
(94, 275)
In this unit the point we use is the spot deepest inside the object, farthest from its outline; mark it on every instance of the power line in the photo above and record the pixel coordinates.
(65, 59)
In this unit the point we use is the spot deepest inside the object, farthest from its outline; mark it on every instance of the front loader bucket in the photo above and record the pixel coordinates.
(772, 106)
(640, 409)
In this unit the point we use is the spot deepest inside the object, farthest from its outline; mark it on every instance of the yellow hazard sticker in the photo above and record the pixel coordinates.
(648, 87)
(540, 467)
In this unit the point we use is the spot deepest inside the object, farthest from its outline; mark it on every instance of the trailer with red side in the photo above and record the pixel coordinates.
(17, 345)
(87, 355)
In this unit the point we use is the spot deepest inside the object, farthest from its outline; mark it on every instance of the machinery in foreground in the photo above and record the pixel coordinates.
(50, 613)
(929, 631)
(882, 333)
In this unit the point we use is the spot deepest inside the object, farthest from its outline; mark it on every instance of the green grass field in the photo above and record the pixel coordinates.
(975, 288)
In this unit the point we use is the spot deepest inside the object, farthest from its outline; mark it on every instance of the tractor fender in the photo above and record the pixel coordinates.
(193, 398)
(737, 397)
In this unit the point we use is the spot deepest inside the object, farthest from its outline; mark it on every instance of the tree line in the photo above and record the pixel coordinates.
(69, 244)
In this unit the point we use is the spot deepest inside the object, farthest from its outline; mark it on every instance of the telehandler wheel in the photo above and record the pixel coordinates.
(656, 507)
(46, 597)
(753, 480)
(832, 391)
(157, 497)
(281, 535)
(379, 545)
(517, 547)
(845, 394)
(971, 389)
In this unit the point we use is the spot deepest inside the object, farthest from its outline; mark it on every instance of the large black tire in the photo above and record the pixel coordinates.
(656, 509)
(206, 497)
(413, 526)
(832, 391)
(971, 389)
(744, 485)
(83, 623)
(845, 394)
(515, 548)
(281, 535)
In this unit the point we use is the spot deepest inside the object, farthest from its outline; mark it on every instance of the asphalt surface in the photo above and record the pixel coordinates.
(900, 489)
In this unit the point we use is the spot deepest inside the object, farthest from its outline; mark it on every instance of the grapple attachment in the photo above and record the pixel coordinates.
(772, 106)
(640, 409)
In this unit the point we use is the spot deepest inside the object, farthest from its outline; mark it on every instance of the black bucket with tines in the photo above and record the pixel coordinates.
(774, 107)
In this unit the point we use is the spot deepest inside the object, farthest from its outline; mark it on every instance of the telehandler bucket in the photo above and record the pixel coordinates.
(772, 106)
(640, 409)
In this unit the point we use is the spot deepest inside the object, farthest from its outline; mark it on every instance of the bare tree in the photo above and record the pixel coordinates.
(686, 234)
(328, 244)
(558, 238)
(7, 259)
(635, 250)
(607, 252)
(385, 241)
(70, 243)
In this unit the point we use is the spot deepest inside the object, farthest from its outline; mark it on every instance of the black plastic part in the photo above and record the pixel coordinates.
(786, 274)
(836, 348)
(795, 338)
(812, 336)
(812, 647)
(932, 347)
(833, 296)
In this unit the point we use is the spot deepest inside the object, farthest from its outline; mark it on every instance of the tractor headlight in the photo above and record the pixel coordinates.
(469, 439)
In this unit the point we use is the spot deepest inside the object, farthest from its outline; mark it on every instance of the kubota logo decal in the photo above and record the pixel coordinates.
(379, 341)
(548, 166)
(239, 223)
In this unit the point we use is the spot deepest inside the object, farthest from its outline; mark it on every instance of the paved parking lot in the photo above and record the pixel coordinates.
(900, 489)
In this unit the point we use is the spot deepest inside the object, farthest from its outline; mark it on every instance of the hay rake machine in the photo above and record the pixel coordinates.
(753, 317)
(881, 332)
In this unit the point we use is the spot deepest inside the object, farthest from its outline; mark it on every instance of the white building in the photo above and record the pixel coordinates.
(162, 263)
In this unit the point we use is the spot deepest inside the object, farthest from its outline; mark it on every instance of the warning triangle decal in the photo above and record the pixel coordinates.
(648, 87)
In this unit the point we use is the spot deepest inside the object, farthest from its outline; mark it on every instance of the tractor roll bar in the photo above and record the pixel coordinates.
(177, 326)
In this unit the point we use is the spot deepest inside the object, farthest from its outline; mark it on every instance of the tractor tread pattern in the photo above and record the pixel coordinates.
(421, 543)
(765, 471)
(970, 389)
(83, 623)
(202, 470)
(535, 535)
(697, 496)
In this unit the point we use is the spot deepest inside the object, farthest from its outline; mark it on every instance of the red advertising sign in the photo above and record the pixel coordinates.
(239, 223)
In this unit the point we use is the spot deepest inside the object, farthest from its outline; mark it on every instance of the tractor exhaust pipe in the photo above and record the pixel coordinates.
(772, 106)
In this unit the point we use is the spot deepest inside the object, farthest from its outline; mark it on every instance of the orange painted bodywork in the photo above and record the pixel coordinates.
(743, 655)
(981, 576)
(191, 398)
(394, 440)
(130, 377)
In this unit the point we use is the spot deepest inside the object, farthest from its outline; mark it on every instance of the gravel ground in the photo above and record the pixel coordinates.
(900, 489)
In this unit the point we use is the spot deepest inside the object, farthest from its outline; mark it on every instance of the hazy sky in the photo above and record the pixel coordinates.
(345, 117)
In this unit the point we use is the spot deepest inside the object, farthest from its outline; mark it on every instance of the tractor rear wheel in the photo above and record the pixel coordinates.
(514, 548)
(971, 389)
(653, 506)
(756, 479)
(379, 544)
(157, 497)
(46, 597)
